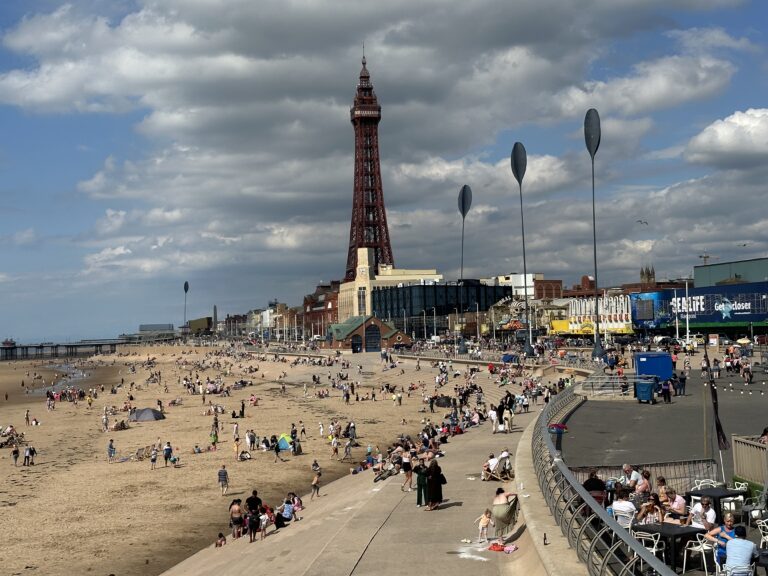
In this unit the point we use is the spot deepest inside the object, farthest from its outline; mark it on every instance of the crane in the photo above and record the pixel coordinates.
(707, 257)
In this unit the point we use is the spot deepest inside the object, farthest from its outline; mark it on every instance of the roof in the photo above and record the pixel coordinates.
(343, 330)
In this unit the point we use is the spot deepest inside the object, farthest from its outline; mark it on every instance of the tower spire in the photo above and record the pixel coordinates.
(368, 228)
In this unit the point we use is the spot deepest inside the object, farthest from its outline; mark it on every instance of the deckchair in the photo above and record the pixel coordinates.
(503, 471)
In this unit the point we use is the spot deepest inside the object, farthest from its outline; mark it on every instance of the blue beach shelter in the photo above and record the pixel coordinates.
(284, 442)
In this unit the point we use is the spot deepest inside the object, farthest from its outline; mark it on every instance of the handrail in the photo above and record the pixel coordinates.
(600, 542)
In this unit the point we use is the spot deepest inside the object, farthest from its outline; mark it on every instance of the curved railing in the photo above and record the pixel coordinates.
(600, 543)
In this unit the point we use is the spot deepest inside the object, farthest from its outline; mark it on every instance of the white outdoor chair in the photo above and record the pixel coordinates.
(755, 508)
(699, 546)
(652, 543)
(762, 525)
(704, 483)
(734, 503)
(739, 570)
(624, 519)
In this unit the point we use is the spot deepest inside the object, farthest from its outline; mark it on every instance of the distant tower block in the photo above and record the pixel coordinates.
(215, 320)
(369, 218)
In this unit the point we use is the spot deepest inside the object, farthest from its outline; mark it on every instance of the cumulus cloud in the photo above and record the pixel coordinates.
(245, 168)
(738, 141)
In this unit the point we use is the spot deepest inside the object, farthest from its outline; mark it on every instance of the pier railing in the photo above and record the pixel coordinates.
(600, 543)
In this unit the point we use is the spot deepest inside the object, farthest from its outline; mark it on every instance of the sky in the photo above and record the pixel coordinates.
(145, 143)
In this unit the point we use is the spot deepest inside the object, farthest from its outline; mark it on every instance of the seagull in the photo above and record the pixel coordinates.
(744, 244)
(642, 222)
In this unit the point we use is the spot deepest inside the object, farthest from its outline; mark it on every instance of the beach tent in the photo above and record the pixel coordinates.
(146, 415)
(284, 442)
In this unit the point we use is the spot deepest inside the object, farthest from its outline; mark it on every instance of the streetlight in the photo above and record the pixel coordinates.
(405, 322)
(465, 201)
(477, 320)
(425, 324)
(434, 321)
(519, 160)
(592, 140)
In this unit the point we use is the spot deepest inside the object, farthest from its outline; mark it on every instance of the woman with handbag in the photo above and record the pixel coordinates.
(435, 480)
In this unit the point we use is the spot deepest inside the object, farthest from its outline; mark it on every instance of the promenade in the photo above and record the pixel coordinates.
(363, 528)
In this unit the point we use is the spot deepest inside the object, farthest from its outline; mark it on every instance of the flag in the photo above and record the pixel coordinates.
(722, 439)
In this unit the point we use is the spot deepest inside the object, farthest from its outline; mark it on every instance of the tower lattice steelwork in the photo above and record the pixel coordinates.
(369, 217)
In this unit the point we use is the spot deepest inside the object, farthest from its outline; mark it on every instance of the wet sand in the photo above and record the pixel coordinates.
(75, 513)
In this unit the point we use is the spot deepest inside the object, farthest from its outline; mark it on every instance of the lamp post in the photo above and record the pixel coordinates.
(477, 320)
(405, 322)
(186, 289)
(434, 321)
(519, 161)
(592, 140)
(465, 201)
(425, 324)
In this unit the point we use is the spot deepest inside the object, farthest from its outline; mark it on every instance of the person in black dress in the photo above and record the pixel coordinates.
(434, 485)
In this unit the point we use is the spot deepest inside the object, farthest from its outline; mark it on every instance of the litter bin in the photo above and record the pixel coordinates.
(645, 392)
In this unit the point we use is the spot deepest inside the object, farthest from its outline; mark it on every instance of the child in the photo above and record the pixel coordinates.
(482, 525)
(263, 521)
(221, 540)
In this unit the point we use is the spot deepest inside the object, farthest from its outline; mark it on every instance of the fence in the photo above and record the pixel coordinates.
(601, 385)
(679, 475)
(750, 459)
(605, 547)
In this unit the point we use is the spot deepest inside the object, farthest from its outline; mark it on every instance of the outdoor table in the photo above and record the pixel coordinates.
(717, 495)
(670, 533)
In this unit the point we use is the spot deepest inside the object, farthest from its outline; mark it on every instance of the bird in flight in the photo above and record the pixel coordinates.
(744, 244)
(642, 222)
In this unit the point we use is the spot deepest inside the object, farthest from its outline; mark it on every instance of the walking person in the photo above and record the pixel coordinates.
(666, 390)
(408, 471)
(153, 458)
(167, 452)
(111, 451)
(223, 477)
(15, 456)
(335, 447)
(277, 452)
(316, 485)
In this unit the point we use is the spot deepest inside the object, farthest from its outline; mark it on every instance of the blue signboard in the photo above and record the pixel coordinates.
(736, 305)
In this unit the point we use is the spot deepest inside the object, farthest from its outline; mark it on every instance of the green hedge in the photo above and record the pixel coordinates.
(754, 488)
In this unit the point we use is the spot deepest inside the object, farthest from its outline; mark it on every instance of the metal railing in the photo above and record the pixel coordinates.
(599, 384)
(600, 543)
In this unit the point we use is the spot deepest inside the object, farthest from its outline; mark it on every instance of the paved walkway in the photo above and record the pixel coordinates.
(365, 528)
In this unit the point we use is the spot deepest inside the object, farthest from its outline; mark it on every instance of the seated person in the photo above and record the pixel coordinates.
(593, 483)
(630, 478)
(702, 514)
(286, 511)
(489, 467)
(675, 507)
(623, 510)
(739, 551)
(642, 488)
(651, 512)
(221, 540)
(720, 536)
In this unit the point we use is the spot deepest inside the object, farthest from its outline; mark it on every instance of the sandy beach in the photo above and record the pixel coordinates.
(73, 512)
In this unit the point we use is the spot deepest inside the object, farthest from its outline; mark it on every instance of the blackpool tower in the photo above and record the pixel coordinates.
(369, 218)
